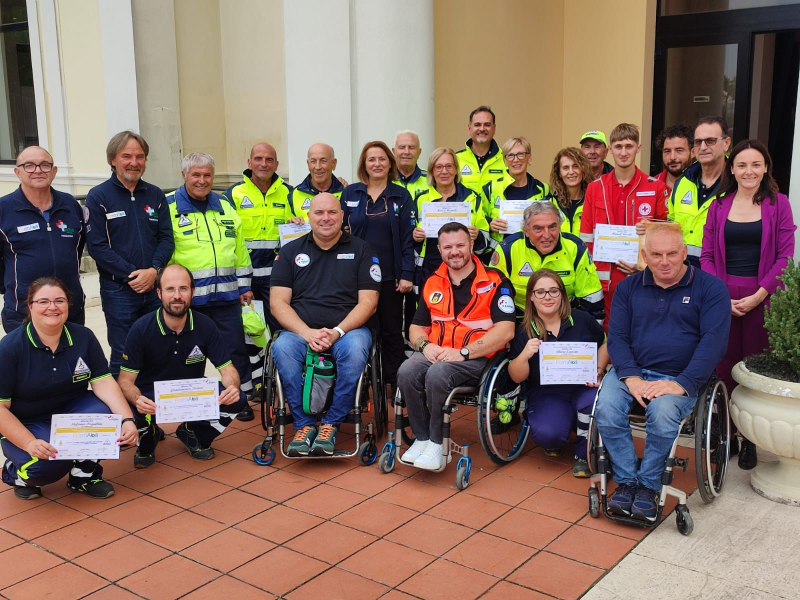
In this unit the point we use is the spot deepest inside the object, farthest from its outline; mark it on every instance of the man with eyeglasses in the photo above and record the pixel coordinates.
(130, 238)
(321, 161)
(697, 188)
(42, 233)
(542, 245)
(481, 161)
(261, 200)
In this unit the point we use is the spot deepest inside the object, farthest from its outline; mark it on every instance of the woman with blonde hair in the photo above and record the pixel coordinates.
(570, 175)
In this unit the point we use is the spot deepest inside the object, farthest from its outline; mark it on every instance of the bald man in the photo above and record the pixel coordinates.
(321, 161)
(42, 233)
(261, 200)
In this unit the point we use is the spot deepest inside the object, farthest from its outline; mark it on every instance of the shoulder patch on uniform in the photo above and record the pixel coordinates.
(495, 258)
(435, 297)
(506, 304)
(375, 273)
(85, 214)
(644, 209)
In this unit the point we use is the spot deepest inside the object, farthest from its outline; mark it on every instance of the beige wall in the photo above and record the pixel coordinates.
(583, 65)
(515, 66)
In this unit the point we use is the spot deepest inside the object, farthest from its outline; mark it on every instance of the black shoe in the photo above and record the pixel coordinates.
(189, 440)
(142, 461)
(24, 492)
(246, 414)
(94, 488)
(748, 458)
(733, 450)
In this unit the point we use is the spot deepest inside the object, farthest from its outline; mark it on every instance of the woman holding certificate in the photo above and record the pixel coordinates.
(569, 177)
(553, 410)
(47, 368)
(380, 212)
(444, 179)
(747, 241)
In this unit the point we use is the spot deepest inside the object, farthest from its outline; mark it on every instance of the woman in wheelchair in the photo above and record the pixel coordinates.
(553, 410)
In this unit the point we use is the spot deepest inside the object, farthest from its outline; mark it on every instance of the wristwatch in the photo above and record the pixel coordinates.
(465, 353)
(339, 330)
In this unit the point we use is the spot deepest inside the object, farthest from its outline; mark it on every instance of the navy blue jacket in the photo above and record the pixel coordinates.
(401, 217)
(34, 247)
(681, 331)
(128, 231)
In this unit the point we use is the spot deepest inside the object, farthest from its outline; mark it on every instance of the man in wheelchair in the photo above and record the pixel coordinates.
(465, 315)
(324, 289)
(668, 331)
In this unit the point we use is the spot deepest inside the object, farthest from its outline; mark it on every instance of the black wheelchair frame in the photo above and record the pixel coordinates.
(708, 425)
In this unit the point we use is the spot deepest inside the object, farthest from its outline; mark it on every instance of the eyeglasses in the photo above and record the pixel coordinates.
(712, 141)
(373, 209)
(517, 156)
(45, 303)
(443, 168)
(44, 167)
(553, 292)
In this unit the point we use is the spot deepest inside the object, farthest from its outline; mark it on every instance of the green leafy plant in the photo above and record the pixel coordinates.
(782, 322)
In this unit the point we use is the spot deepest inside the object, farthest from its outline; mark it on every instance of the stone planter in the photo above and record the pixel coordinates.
(767, 412)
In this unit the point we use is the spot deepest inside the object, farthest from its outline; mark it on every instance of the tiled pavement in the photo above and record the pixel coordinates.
(312, 529)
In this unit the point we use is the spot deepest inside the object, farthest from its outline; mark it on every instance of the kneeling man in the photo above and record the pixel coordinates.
(324, 289)
(668, 330)
(174, 343)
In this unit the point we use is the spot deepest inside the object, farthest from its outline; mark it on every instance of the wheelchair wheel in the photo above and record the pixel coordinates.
(684, 520)
(367, 453)
(378, 391)
(594, 503)
(386, 461)
(712, 431)
(263, 455)
(501, 398)
(267, 391)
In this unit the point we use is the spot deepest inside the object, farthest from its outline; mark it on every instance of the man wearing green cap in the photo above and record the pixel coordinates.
(595, 148)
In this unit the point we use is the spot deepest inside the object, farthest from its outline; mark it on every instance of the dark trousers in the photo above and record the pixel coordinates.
(410, 300)
(122, 307)
(206, 431)
(425, 387)
(22, 469)
(228, 319)
(552, 410)
(13, 319)
(390, 325)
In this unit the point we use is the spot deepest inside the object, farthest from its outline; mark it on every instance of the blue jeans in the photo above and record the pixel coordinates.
(122, 308)
(664, 415)
(350, 354)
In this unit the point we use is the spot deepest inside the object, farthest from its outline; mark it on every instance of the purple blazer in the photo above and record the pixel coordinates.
(777, 240)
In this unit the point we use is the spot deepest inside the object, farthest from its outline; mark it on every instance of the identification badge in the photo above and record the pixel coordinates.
(345, 256)
(650, 193)
(352, 203)
(115, 215)
(27, 228)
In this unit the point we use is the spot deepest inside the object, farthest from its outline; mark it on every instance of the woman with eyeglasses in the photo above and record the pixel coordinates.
(515, 184)
(748, 240)
(444, 181)
(380, 212)
(47, 369)
(554, 410)
(570, 175)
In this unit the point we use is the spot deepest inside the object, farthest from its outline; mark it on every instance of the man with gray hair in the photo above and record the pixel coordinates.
(542, 244)
(130, 238)
(209, 241)
(321, 161)
(407, 151)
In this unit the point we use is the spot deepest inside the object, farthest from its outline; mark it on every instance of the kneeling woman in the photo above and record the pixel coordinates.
(47, 367)
(553, 409)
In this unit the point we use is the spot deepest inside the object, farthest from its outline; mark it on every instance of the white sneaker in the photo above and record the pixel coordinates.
(412, 454)
(431, 458)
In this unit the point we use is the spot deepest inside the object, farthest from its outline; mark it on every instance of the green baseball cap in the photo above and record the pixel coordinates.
(594, 134)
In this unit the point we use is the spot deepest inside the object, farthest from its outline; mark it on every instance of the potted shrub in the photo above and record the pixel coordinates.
(766, 404)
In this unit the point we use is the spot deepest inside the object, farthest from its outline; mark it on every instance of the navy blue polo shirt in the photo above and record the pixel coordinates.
(681, 331)
(39, 382)
(579, 327)
(34, 245)
(156, 353)
(325, 283)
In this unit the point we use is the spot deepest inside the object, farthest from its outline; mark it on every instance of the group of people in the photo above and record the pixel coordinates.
(176, 270)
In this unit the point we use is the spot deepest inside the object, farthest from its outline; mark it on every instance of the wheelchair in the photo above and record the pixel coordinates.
(370, 397)
(708, 425)
(501, 442)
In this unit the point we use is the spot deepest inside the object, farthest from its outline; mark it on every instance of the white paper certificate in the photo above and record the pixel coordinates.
(615, 242)
(187, 400)
(436, 214)
(511, 211)
(87, 436)
(563, 363)
(291, 231)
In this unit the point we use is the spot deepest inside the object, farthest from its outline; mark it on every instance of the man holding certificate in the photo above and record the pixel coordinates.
(668, 332)
(170, 346)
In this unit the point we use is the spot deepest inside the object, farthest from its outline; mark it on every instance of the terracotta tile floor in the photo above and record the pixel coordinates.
(311, 529)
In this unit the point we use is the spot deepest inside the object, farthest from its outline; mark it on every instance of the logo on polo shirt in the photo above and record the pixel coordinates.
(686, 299)
(195, 356)
(81, 371)
(64, 228)
(644, 209)
(526, 270)
(302, 260)
(246, 203)
(151, 212)
(435, 297)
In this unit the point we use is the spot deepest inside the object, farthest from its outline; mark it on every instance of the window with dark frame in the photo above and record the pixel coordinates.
(18, 127)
